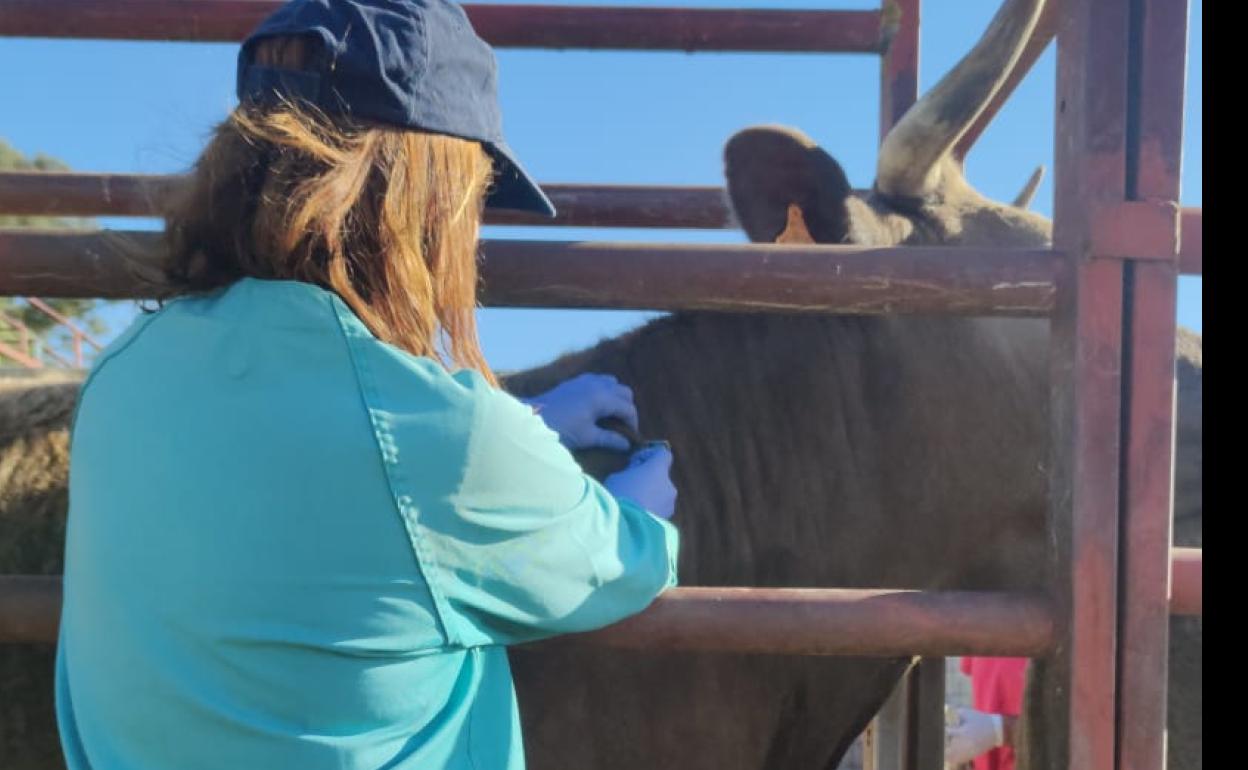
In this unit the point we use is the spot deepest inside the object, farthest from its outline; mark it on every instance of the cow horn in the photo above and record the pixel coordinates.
(1023, 199)
(910, 158)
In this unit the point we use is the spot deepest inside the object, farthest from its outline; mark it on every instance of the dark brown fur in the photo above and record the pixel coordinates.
(807, 455)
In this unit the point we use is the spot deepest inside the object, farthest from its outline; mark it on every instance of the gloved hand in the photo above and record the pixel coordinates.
(647, 481)
(969, 733)
(573, 408)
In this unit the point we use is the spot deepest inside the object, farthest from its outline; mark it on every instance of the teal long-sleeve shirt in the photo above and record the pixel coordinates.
(291, 545)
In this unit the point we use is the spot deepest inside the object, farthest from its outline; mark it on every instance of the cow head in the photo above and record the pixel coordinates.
(784, 188)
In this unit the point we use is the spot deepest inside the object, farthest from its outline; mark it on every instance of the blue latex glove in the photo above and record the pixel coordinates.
(647, 481)
(573, 408)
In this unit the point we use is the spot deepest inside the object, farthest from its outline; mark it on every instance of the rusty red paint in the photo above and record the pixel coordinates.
(787, 621)
(61, 194)
(585, 205)
(1159, 48)
(1187, 581)
(1147, 519)
(35, 193)
(1191, 228)
(1162, 95)
(745, 277)
(1090, 152)
(78, 333)
(899, 66)
(834, 621)
(18, 355)
(1093, 450)
(1139, 230)
(504, 26)
(580, 205)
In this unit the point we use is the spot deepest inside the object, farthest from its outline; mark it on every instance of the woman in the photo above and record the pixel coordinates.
(304, 521)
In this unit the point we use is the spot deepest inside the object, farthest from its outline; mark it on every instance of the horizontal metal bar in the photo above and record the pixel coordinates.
(746, 277)
(71, 194)
(19, 356)
(63, 194)
(503, 26)
(1150, 230)
(1187, 581)
(17, 350)
(1139, 230)
(836, 621)
(586, 205)
(787, 621)
(73, 327)
(1190, 241)
(790, 620)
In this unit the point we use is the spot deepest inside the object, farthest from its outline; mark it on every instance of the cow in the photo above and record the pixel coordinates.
(905, 452)
(893, 452)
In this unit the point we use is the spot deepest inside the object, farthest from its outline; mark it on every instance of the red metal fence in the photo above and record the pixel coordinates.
(1108, 285)
(24, 347)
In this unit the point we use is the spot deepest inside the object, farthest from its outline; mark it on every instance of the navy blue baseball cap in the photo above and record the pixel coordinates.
(409, 63)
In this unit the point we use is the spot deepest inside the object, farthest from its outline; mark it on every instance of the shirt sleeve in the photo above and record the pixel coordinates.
(528, 545)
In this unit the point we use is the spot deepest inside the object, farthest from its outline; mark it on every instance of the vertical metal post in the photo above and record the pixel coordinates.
(1076, 694)
(1154, 160)
(899, 65)
(903, 732)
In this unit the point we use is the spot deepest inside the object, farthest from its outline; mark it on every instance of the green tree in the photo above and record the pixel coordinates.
(79, 310)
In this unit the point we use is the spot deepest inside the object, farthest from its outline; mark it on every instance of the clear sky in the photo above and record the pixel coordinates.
(627, 117)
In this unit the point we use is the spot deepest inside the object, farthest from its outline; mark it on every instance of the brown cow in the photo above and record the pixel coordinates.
(840, 451)
(811, 451)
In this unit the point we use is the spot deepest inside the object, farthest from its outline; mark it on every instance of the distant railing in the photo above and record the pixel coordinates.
(21, 345)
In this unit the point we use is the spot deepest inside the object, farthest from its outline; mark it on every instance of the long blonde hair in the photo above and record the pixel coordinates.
(387, 218)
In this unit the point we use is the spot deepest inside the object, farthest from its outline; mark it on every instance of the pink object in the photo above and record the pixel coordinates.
(996, 688)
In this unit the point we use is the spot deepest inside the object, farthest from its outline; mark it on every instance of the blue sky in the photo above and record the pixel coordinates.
(628, 117)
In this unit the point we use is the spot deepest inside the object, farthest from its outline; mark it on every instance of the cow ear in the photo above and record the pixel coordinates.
(770, 169)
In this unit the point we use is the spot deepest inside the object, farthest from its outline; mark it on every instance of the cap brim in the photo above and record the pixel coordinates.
(514, 189)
